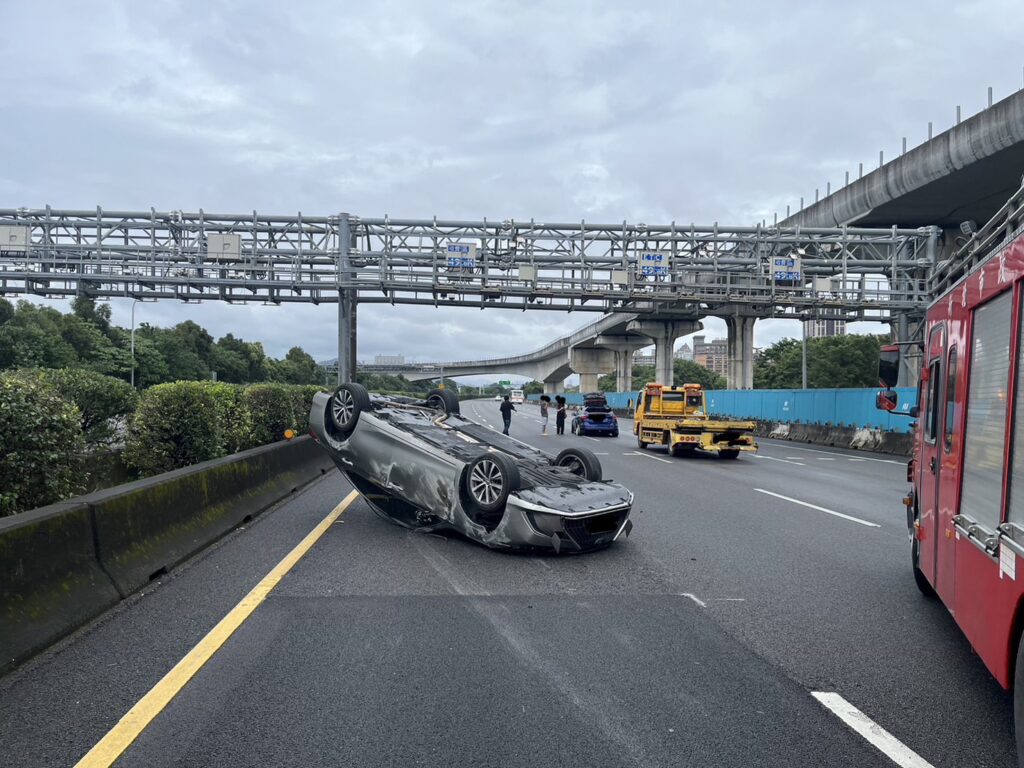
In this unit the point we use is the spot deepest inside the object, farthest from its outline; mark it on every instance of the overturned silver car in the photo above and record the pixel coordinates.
(423, 465)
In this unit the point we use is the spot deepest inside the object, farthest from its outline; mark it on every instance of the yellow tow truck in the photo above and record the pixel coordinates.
(677, 417)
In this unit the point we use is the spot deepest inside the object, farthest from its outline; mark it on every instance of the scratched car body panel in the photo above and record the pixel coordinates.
(421, 464)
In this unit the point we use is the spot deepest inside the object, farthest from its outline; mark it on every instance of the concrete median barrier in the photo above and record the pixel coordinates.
(146, 527)
(50, 579)
(62, 565)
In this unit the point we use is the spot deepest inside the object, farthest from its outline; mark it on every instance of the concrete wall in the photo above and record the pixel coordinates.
(65, 564)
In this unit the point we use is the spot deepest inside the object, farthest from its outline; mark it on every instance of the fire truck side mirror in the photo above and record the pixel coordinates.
(886, 400)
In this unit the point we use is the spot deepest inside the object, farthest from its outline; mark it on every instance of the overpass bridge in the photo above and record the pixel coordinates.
(955, 181)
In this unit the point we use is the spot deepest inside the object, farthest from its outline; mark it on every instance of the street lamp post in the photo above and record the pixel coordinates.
(803, 355)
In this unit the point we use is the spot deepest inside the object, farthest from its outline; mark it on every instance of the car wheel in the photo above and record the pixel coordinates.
(615, 433)
(580, 462)
(922, 581)
(443, 400)
(729, 454)
(347, 402)
(640, 443)
(489, 481)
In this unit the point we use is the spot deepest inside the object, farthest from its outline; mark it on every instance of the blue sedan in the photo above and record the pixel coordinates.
(595, 420)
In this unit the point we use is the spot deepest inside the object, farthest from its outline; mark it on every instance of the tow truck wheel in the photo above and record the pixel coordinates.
(920, 579)
(731, 454)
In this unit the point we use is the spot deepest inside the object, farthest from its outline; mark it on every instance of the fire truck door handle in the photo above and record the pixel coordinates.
(931, 464)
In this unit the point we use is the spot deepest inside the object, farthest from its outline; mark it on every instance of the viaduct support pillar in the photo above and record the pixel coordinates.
(554, 387)
(664, 334)
(741, 351)
(590, 364)
(623, 346)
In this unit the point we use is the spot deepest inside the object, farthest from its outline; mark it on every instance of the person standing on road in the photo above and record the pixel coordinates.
(506, 409)
(545, 401)
(560, 415)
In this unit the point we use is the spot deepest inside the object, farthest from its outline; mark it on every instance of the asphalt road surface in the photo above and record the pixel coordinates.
(701, 640)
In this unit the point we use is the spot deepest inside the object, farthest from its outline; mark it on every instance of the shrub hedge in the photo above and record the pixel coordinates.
(50, 417)
(40, 445)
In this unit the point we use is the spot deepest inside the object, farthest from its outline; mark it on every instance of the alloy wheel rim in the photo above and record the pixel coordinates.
(343, 407)
(486, 481)
(574, 465)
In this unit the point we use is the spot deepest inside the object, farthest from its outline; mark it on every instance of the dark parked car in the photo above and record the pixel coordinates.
(596, 418)
(423, 465)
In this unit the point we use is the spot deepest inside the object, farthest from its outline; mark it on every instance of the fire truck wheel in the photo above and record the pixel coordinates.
(1018, 702)
(919, 577)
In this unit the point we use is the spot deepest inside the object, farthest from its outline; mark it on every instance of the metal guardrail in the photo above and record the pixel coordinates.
(525, 265)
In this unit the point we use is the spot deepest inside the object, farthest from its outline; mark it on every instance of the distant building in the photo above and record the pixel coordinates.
(713, 355)
(820, 328)
(685, 352)
(389, 360)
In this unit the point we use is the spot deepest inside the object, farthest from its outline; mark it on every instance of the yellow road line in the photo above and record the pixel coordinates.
(128, 728)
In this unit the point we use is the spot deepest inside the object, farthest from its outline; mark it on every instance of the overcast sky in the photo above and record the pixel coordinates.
(561, 111)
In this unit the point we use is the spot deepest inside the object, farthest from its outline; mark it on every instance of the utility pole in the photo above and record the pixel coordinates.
(134, 302)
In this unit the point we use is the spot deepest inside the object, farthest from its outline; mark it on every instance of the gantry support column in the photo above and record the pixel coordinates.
(904, 331)
(346, 306)
(664, 334)
(741, 351)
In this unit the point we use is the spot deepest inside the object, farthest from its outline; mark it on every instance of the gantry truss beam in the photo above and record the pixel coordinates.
(513, 264)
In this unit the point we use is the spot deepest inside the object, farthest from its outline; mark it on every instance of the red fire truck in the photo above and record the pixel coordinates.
(965, 510)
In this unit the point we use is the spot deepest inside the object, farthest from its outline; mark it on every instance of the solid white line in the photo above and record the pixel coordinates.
(875, 734)
(695, 599)
(646, 456)
(834, 453)
(820, 509)
(784, 461)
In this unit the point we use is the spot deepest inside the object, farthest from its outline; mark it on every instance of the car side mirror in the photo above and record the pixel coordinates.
(912, 413)
(886, 400)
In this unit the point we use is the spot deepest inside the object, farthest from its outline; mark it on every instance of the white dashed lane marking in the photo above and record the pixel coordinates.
(871, 731)
(827, 511)
(784, 461)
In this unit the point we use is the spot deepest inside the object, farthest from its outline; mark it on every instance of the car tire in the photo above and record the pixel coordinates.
(640, 443)
(346, 405)
(580, 462)
(730, 454)
(922, 581)
(443, 400)
(490, 479)
(615, 433)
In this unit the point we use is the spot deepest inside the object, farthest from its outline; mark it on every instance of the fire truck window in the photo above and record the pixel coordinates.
(1015, 513)
(984, 432)
(950, 399)
(934, 382)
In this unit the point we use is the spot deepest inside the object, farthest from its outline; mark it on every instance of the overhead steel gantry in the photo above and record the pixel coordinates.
(636, 268)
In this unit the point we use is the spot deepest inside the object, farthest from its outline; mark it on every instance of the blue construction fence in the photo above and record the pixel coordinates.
(836, 407)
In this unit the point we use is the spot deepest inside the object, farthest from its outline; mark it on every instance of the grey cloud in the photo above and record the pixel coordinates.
(561, 111)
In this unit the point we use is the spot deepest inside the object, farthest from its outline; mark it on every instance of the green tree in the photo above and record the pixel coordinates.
(834, 361)
(533, 388)
(689, 372)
